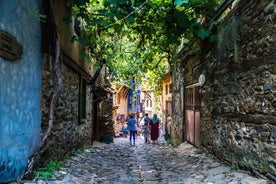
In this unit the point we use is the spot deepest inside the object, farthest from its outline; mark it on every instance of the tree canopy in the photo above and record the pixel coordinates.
(139, 38)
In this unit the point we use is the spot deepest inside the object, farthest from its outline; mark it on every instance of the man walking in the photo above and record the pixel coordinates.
(146, 128)
(132, 128)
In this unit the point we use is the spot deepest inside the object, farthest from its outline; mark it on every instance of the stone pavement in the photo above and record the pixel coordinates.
(122, 163)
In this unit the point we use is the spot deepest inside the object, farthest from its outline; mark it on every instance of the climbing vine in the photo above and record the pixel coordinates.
(139, 38)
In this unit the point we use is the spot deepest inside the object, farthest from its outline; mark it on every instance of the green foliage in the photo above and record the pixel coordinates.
(233, 168)
(47, 171)
(40, 16)
(135, 36)
(171, 142)
(79, 151)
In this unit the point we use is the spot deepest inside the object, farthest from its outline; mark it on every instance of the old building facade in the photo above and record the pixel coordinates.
(126, 101)
(83, 106)
(224, 95)
(72, 116)
(47, 90)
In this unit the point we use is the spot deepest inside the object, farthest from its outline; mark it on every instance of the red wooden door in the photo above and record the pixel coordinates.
(192, 114)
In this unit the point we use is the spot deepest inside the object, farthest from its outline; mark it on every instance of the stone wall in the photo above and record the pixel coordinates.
(106, 131)
(177, 122)
(69, 132)
(20, 86)
(103, 95)
(238, 100)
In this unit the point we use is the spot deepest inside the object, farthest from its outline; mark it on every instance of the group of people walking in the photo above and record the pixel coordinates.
(150, 129)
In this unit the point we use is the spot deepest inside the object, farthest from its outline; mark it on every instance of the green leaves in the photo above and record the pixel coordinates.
(46, 172)
(140, 38)
(111, 30)
(180, 2)
(202, 33)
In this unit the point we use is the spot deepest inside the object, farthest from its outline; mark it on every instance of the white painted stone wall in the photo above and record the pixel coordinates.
(20, 88)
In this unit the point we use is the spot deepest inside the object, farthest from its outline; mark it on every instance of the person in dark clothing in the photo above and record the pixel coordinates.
(154, 128)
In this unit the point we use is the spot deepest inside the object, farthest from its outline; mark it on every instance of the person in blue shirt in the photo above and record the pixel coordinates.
(131, 124)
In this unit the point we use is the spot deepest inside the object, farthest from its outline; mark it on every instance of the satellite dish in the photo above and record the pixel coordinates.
(201, 79)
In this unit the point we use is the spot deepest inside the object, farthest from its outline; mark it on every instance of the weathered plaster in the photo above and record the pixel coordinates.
(20, 87)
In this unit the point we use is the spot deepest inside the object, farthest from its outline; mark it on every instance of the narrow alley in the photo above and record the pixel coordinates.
(122, 163)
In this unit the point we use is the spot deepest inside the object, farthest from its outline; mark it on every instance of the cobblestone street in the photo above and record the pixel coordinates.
(122, 163)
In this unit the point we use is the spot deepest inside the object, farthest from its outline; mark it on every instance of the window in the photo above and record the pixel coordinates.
(82, 99)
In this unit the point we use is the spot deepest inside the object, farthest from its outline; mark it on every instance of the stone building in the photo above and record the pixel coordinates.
(83, 107)
(120, 99)
(224, 95)
(46, 88)
(126, 101)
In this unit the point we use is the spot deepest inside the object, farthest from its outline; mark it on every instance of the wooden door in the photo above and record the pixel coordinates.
(192, 114)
